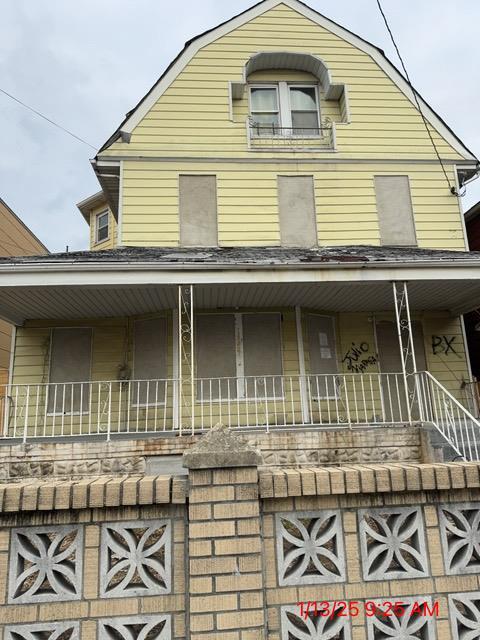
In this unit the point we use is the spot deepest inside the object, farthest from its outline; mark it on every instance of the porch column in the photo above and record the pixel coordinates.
(185, 409)
(406, 344)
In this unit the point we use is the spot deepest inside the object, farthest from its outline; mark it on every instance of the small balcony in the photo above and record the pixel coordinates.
(270, 137)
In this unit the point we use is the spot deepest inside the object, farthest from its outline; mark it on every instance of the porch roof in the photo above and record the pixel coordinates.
(138, 280)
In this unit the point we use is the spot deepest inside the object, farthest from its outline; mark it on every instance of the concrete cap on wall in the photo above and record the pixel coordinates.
(221, 447)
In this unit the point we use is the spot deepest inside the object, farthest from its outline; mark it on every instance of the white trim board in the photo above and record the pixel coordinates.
(140, 111)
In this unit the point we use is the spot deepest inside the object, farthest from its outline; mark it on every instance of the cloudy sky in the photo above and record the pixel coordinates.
(84, 64)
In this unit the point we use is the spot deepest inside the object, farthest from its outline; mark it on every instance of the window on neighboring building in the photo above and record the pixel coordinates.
(285, 109)
(70, 363)
(238, 355)
(149, 361)
(395, 211)
(102, 227)
(296, 209)
(198, 210)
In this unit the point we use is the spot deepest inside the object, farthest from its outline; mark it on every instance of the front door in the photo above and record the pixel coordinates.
(393, 390)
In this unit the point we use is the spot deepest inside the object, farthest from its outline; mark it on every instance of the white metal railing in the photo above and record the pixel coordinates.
(456, 423)
(86, 408)
(312, 400)
(252, 402)
(263, 136)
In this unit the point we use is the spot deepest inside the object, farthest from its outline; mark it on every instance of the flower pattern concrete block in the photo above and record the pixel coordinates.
(464, 613)
(295, 626)
(45, 564)
(47, 631)
(155, 627)
(136, 558)
(310, 548)
(412, 621)
(460, 532)
(392, 542)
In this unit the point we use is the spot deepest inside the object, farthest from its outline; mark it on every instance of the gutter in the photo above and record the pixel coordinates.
(74, 266)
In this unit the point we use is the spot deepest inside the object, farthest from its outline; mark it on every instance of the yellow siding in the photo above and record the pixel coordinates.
(111, 241)
(248, 207)
(192, 117)
(113, 346)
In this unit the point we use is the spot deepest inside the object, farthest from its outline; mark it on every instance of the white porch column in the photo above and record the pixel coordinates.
(407, 346)
(186, 358)
(302, 370)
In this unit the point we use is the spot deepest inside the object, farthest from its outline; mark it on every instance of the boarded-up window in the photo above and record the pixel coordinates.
(215, 355)
(70, 363)
(198, 211)
(395, 212)
(262, 354)
(323, 355)
(238, 355)
(296, 206)
(150, 361)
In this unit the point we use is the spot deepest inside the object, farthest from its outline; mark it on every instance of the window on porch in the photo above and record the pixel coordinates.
(70, 365)
(238, 356)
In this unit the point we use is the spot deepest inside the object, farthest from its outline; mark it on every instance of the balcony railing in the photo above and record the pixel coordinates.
(159, 406)
(268, 137)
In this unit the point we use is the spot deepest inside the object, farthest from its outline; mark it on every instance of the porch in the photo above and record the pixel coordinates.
(267, 348)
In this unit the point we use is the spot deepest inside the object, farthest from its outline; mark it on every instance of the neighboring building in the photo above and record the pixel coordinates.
(16, 239)
(282, 254)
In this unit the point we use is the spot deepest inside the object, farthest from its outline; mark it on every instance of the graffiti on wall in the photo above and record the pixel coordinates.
(443, 344)
(358, 359)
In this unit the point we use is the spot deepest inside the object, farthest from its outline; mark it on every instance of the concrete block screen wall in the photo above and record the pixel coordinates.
(244, 553)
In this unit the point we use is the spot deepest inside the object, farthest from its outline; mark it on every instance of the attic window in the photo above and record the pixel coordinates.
(102, 227)
(284, 109)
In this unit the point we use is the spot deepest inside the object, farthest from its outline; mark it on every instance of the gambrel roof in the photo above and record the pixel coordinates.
(134, 116)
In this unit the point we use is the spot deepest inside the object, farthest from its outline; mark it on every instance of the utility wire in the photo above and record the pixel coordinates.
(55, 124)
(453, 189)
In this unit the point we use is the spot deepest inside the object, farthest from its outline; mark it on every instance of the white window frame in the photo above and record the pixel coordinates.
(240, 356)
(284, 104)
(97, 228)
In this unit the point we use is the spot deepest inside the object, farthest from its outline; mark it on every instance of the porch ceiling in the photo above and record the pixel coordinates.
(21, 303)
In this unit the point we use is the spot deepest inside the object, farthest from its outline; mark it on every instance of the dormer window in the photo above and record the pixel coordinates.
(102, 227)
(285, 109)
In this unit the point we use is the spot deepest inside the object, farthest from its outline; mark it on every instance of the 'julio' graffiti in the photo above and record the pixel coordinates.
(357, 358)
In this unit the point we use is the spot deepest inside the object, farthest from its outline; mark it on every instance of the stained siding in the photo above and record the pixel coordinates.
(248, 203)
(193, 114)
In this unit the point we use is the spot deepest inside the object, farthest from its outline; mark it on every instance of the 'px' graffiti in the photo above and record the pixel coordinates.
(443, 344)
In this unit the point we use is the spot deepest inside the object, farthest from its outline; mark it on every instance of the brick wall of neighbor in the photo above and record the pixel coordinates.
(230, 551)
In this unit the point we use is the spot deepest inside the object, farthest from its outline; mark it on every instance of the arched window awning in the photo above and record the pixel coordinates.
(267, 60)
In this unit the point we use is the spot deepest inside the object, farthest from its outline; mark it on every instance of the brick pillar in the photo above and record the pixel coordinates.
(224, 542)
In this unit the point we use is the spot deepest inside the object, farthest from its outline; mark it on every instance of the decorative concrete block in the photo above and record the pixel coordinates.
(464, 613)
(45, 564)
(48, 631)
(136, 558)
(409, 621)
(392, 542)
(460, 533)
(310, 548)
(156, 627)
(295, 626)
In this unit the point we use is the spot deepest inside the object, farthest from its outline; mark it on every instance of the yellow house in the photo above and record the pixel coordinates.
(276, 244)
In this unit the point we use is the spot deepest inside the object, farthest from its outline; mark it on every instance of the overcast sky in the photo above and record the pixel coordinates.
(84, 64)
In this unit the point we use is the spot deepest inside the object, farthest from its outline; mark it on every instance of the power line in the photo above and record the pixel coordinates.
(55, 124)
(453, 189)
